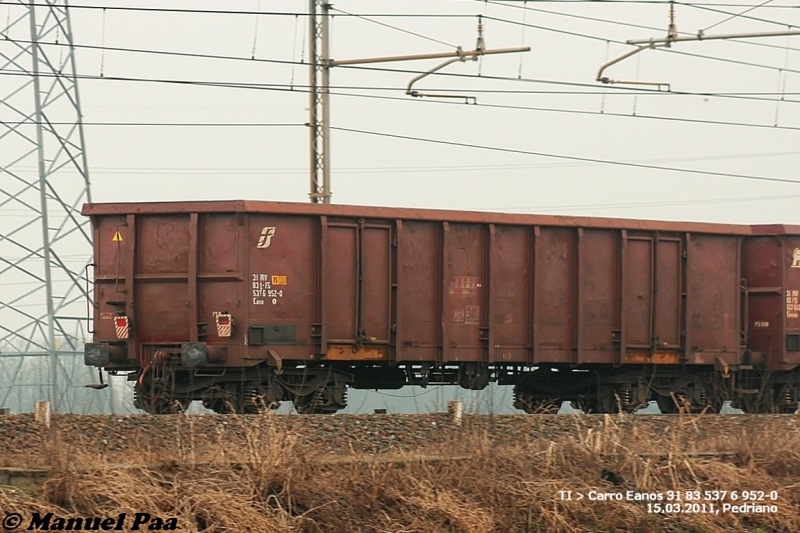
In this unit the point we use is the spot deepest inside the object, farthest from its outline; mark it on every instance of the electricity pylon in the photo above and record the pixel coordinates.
(45, 243)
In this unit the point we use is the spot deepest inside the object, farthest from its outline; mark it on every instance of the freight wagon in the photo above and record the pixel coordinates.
(243, 305)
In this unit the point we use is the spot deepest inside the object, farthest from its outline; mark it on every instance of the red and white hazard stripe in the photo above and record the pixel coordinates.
(122, 327)
(224, 324)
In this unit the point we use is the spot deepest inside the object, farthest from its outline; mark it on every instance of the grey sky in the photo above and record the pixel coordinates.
(176, 163)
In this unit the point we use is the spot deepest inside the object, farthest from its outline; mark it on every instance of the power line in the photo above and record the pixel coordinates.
(506, 3)
(398, 15)
(240, 12)
(299, 89)
(565, 157)
(594, 88)
(229, 85)
(708, 7)
(392, 169)
(599, 90)
(584, 17)
(771, 126)
(666, 50)
(290, 88)
(177, 124)
(506, 21)
(650, 28)
(160, 52)
(402, 30)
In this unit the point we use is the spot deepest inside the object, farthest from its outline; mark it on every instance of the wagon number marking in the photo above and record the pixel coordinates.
(263, 288)
(792, 304)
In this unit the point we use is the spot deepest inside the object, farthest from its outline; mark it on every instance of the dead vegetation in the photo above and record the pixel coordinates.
(471, 483)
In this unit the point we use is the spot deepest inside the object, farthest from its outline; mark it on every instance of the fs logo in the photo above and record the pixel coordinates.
(266, 237)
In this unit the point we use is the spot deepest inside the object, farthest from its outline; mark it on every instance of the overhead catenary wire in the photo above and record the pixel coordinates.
(782, 81)
(294, 49)
(714, 8)
(664, 50)
(237, 12)
(285, 88)
(523, 24)
(649, 28)
(102, 46)
(594, 89)
(635, 25)
(737, 15)
(396, 28)
(564, 157)
(228, 12)
(584, 112)
(707, 6)
(617, 89)
(255, 33)
(399, 169)
(522, 40)
(176, 124)
(377, 14)
(249, 86)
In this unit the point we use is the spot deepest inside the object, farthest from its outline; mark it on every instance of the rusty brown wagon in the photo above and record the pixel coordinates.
(245, 304)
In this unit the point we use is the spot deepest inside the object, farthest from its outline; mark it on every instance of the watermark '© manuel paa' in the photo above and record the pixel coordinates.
(52, 522)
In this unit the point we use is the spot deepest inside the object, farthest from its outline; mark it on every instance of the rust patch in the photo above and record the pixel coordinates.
(652, 359)
(347, 353)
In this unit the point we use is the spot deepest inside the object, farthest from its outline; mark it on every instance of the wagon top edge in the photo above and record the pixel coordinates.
(435, 215)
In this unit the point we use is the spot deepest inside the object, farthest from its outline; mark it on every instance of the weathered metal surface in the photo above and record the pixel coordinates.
(510, 290)
(713, 296)
(349, 353)
(464, 301)
(356, 284)
(419, 291)
(771, 271)
(407, 214)
(281, 254)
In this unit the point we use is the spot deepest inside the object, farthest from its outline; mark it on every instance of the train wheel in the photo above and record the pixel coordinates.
(525, 401)
(155, 396)
(613, 400)
(225, 399)
(171, 407)
(588, 406)
(667, 405)
(157, 404)
(326, 400)
(308, 404)
(259, 399)
(473, 376)
(544, 407)
(221, 406)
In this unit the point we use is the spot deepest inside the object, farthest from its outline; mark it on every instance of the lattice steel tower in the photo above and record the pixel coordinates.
(45, 244)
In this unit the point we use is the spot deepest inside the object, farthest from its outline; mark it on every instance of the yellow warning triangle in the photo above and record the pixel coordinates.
(117, 237)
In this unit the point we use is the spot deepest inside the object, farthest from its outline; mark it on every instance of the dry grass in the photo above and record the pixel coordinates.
(470, 484)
